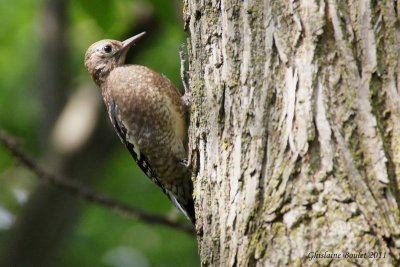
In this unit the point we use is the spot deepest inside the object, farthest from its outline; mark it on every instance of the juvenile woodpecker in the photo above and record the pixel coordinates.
(149, 116)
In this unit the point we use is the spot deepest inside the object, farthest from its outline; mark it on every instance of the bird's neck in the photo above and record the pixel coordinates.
(101, 72)
(100, 77)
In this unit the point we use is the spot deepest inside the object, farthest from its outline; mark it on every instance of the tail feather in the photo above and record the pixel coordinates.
(186, 206)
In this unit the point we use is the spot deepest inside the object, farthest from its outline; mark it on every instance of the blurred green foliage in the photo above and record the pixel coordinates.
(100, 238)
(19, 43)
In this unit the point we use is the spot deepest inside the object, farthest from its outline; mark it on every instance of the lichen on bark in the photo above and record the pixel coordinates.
(295, 130)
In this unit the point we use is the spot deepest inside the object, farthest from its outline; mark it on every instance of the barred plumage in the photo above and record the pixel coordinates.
(148, 115)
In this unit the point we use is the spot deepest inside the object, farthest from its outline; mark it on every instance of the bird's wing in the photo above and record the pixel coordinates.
(133, 149)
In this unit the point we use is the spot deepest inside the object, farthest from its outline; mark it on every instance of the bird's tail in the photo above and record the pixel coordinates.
(181, 195)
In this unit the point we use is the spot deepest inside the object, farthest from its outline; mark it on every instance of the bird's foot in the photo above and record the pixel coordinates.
(187, 100)
(184, 162)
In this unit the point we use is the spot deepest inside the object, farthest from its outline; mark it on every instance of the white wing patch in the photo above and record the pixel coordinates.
(133, 141)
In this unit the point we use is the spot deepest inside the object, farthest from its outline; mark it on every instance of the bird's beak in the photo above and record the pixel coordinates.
(128, 43)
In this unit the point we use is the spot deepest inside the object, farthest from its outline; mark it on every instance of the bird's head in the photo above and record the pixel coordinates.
(105, 55)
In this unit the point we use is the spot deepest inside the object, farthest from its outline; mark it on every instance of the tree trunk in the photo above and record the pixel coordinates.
(295, 131)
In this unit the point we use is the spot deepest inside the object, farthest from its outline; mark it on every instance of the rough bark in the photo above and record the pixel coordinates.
(295, 131)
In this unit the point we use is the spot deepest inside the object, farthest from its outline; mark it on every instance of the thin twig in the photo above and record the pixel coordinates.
(77, 189)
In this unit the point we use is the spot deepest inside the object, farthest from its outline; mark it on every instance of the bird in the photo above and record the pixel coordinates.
(149, 115)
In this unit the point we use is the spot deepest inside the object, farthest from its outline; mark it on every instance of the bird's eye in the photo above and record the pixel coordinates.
(107, 48)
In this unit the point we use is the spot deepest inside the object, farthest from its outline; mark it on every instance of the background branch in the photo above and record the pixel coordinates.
(77, 189)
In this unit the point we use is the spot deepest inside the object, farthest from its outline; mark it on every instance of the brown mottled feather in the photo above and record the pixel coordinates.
(148, 115)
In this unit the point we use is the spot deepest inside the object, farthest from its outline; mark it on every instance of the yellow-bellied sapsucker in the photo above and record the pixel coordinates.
(149, 116)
